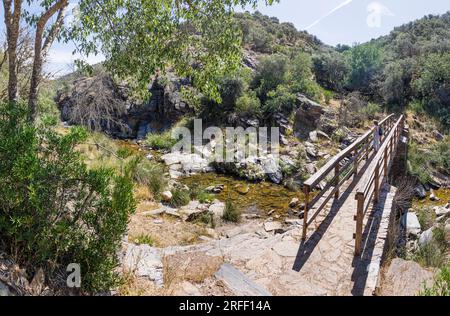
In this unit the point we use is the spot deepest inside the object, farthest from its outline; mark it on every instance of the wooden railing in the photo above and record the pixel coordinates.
(336, 171)
(369, 186)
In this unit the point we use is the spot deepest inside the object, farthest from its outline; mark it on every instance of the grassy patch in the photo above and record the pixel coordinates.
(161, 141)
(441, 286)
(426, 217)
(231, 214)
(143, 240)
(434, 254)
(180, 197)
(199, 194)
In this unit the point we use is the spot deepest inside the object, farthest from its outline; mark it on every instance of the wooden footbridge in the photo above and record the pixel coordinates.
(358, 170)
(348, 206)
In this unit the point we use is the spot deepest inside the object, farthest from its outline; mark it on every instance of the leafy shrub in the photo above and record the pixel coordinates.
(160, 141)
(417, 107)
(280, 100)
(271, 72)
(231, 214)
(54, 210)
(180, 197)
(371, 110)
(248, 105)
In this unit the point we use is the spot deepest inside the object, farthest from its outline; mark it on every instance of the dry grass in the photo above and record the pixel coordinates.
(194, 267)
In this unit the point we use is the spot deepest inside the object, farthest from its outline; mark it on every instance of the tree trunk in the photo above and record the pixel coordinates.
(12, 23)
(41, 48)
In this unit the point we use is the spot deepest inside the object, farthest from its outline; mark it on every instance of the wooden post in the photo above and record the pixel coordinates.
(377, 184)
(336, 183)
(359, 223)
(305, 217)
(355, 168)
(386, 162)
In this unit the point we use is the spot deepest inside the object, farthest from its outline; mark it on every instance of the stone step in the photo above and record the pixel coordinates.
(238, 283)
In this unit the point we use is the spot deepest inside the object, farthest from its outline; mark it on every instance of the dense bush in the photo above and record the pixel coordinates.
(248, 105)
(53, 210)
(331, 70)
(422, 163)
(271, 72)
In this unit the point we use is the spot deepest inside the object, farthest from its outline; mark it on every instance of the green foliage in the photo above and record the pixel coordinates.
(248, 105)
(231, 214)
(423, 162)
(426, 217)
(271, 72)
(160, 141)
(331, 70)
(433, 86)
(365, 62)
(441, 286)
(180, 197)
(266, 34)
(280, 100)
(137, 39)
(395, 89)
(54, 210)
(417, 107)
(300, 77)
(200, 194)
(371, 110)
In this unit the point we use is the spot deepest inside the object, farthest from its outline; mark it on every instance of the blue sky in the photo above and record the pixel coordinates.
(332, 21)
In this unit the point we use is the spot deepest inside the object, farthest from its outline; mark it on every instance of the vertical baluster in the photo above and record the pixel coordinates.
(359, 223)
(336, 183)
(305, 217)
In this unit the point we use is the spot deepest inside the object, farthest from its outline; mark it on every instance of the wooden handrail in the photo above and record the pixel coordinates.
(357, 151)
(370, 184)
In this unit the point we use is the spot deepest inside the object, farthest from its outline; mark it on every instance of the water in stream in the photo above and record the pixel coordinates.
(253, 198)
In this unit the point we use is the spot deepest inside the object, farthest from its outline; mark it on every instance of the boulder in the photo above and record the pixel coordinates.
(217, 208)
(405, 278)
(441, 210)
(426, 237)
(144, 261)
(420, 192)
(411, 223)
(166, 196)
(308, 113)
(4, 290)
